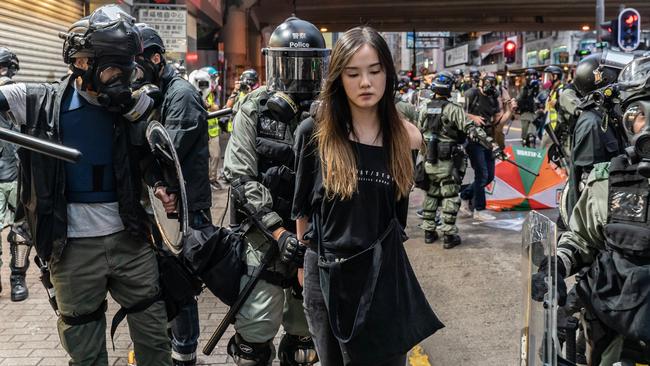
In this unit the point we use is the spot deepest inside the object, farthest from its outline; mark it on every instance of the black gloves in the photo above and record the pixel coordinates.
(143, 100)
(291, 251)
(538, 281)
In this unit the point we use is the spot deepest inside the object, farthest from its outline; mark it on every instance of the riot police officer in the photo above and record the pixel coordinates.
(445, 128)
(258, 163)
(527, 107)
(19, 247)
(608, 239)
(474, 76)
(183, 114)
(9, 65)
(86, 219)
(595, 138)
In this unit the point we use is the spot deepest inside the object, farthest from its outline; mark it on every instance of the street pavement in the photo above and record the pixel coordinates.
(474, 288)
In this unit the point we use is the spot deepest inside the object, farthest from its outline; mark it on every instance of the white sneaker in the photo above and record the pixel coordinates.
(483, 215)
(464, 210)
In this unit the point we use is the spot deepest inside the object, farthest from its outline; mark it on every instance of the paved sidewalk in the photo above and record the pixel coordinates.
(474, 288)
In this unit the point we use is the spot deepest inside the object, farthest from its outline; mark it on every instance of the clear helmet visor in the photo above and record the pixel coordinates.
(293, 73)
(635, 74)
(107, 16)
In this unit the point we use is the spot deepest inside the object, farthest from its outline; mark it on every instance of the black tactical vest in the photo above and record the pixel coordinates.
(275, 163)
(439, 125)
(628, 227)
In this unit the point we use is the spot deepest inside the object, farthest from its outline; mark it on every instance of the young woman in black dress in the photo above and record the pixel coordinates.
(354, 172)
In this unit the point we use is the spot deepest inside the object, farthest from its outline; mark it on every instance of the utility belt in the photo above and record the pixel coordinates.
(275, 278)
(441, 150)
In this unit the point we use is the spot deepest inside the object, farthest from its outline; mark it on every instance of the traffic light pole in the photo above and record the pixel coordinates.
(414, 67)
(600, 18)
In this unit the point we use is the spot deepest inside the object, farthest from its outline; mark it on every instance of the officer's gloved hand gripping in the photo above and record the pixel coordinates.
(539, 285)
(291, 250)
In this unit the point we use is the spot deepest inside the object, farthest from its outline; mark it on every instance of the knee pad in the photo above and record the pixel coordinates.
(297, 351)
(250, 354)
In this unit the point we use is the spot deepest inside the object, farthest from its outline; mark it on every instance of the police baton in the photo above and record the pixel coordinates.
(40, 145)
(229, 318)
(220, 113)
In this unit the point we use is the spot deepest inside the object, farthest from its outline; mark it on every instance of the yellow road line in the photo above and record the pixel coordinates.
(418, 357)
(515, 129)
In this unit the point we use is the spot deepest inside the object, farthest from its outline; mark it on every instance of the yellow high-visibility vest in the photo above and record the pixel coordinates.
(213, 123)
(552, 111)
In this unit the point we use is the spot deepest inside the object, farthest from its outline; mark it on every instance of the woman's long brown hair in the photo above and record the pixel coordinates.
(337, 158)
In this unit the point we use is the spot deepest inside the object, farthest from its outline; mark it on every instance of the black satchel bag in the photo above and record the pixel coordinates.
(376, 307)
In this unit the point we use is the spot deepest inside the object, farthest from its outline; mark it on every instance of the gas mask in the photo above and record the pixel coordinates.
(283, 107)
(635, 121)
(146, 72)
(112, 79)
(489, 86)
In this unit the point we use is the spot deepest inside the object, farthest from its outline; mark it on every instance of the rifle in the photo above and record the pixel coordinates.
(488, 143)
(266, 260)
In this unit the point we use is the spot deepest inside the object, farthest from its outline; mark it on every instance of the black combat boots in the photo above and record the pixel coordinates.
(450, 241)
(19, 291)
(430, 236)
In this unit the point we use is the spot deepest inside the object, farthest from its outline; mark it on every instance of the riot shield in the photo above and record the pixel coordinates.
(539, 341)
(173, 227)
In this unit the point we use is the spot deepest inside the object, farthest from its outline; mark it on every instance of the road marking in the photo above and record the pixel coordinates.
(515, 129)
(418, 357)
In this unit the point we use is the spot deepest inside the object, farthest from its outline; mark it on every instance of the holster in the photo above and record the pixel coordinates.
(432, 150)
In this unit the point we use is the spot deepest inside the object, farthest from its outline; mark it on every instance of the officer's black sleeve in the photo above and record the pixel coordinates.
(306, 167)
(4, 104)
(185, 120)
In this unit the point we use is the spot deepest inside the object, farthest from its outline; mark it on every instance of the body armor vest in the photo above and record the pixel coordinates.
(628, 226)
(274, 147)
(88, 128)
(439, 125)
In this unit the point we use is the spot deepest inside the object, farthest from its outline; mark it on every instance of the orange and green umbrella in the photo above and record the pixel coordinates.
(514, 188)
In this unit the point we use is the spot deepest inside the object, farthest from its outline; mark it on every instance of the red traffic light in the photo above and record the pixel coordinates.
(510, 46)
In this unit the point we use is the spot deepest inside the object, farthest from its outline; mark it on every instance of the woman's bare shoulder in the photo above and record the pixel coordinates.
(414, 134)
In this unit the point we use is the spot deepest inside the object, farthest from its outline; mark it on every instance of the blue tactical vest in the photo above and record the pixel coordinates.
(89, 129)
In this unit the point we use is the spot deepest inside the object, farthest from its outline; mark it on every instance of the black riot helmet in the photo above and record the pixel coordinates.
(296, 63)
(556, 71)
(474, 74)
(591, 74)
(249, 79)
(152, 43)
(531, 72)
(9, 60)
(442, 83)
(532, 79)
(110, 41)
(151, 40)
